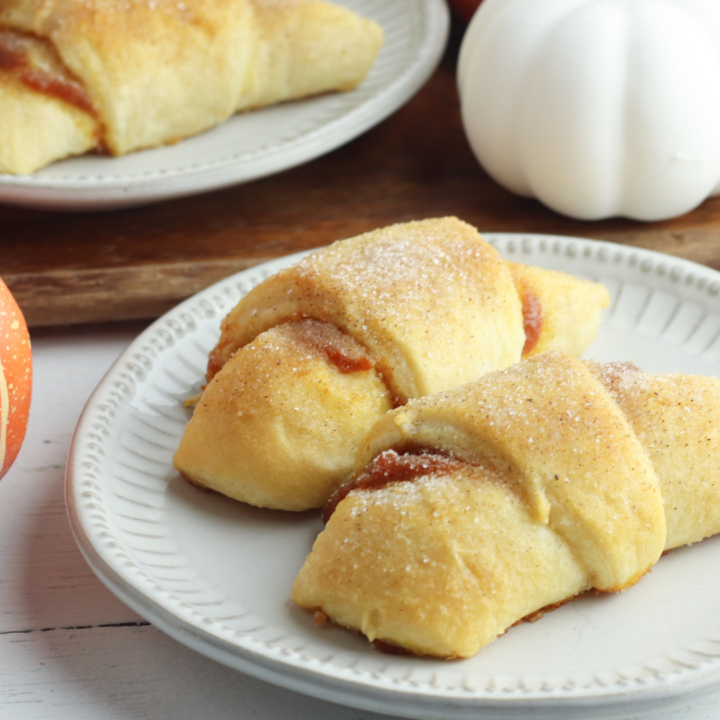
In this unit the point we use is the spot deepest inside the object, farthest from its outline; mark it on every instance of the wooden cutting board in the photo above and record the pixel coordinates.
(138, 263)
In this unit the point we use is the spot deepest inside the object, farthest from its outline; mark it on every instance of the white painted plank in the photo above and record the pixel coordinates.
(123, 673)
(44, 581)
(138, 673)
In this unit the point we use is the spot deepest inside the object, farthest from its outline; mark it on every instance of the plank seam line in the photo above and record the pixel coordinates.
(140, 623)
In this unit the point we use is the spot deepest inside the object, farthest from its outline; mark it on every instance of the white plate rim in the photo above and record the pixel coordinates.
(103, 189)
(629, 696)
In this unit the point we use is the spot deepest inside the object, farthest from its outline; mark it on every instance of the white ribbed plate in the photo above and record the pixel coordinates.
(254, 144)
(216, 574)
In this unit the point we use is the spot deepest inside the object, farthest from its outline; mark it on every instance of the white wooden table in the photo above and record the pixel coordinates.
(68, 648)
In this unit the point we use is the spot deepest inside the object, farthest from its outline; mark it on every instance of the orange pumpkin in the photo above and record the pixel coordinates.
(15, 378)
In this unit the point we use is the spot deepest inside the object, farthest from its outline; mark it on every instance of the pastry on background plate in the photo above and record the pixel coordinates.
(119, 76)
(312, 357)
(486, 504)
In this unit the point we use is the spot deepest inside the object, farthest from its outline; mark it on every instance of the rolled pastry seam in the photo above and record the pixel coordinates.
(156, 72)
(46, 113)
(409, 566)
(431, 301)
(676, 418)
(566, 476)
(279, 425)
(386, 288)
(561, 312)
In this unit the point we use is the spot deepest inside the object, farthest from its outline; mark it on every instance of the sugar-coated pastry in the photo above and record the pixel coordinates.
(122, 75)
(428, 305)
(282, 419)
(561, 311)
(482, 505)
(431, 302)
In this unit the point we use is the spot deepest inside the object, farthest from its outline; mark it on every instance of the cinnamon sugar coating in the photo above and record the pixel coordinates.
(427, 306)
(568, 475)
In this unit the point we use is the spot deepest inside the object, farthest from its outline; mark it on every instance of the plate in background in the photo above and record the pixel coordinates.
(255, 144)
(216, 574)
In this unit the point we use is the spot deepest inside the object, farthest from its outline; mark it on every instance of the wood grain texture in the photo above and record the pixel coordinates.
(44, 580)
(137, 263)
(137, 673)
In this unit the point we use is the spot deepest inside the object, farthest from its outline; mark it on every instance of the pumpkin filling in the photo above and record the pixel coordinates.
(36, 64)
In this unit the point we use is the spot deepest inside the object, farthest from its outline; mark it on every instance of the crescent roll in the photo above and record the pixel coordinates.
(483, 505)
(77, 75)
(312, 357)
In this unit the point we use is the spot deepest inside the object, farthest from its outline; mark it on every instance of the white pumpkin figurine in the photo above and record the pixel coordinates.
(597, 108)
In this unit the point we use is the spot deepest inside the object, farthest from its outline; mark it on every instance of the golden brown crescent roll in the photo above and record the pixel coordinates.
(397, 313)
(280, 423)
(482, 505)
(121, 76)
